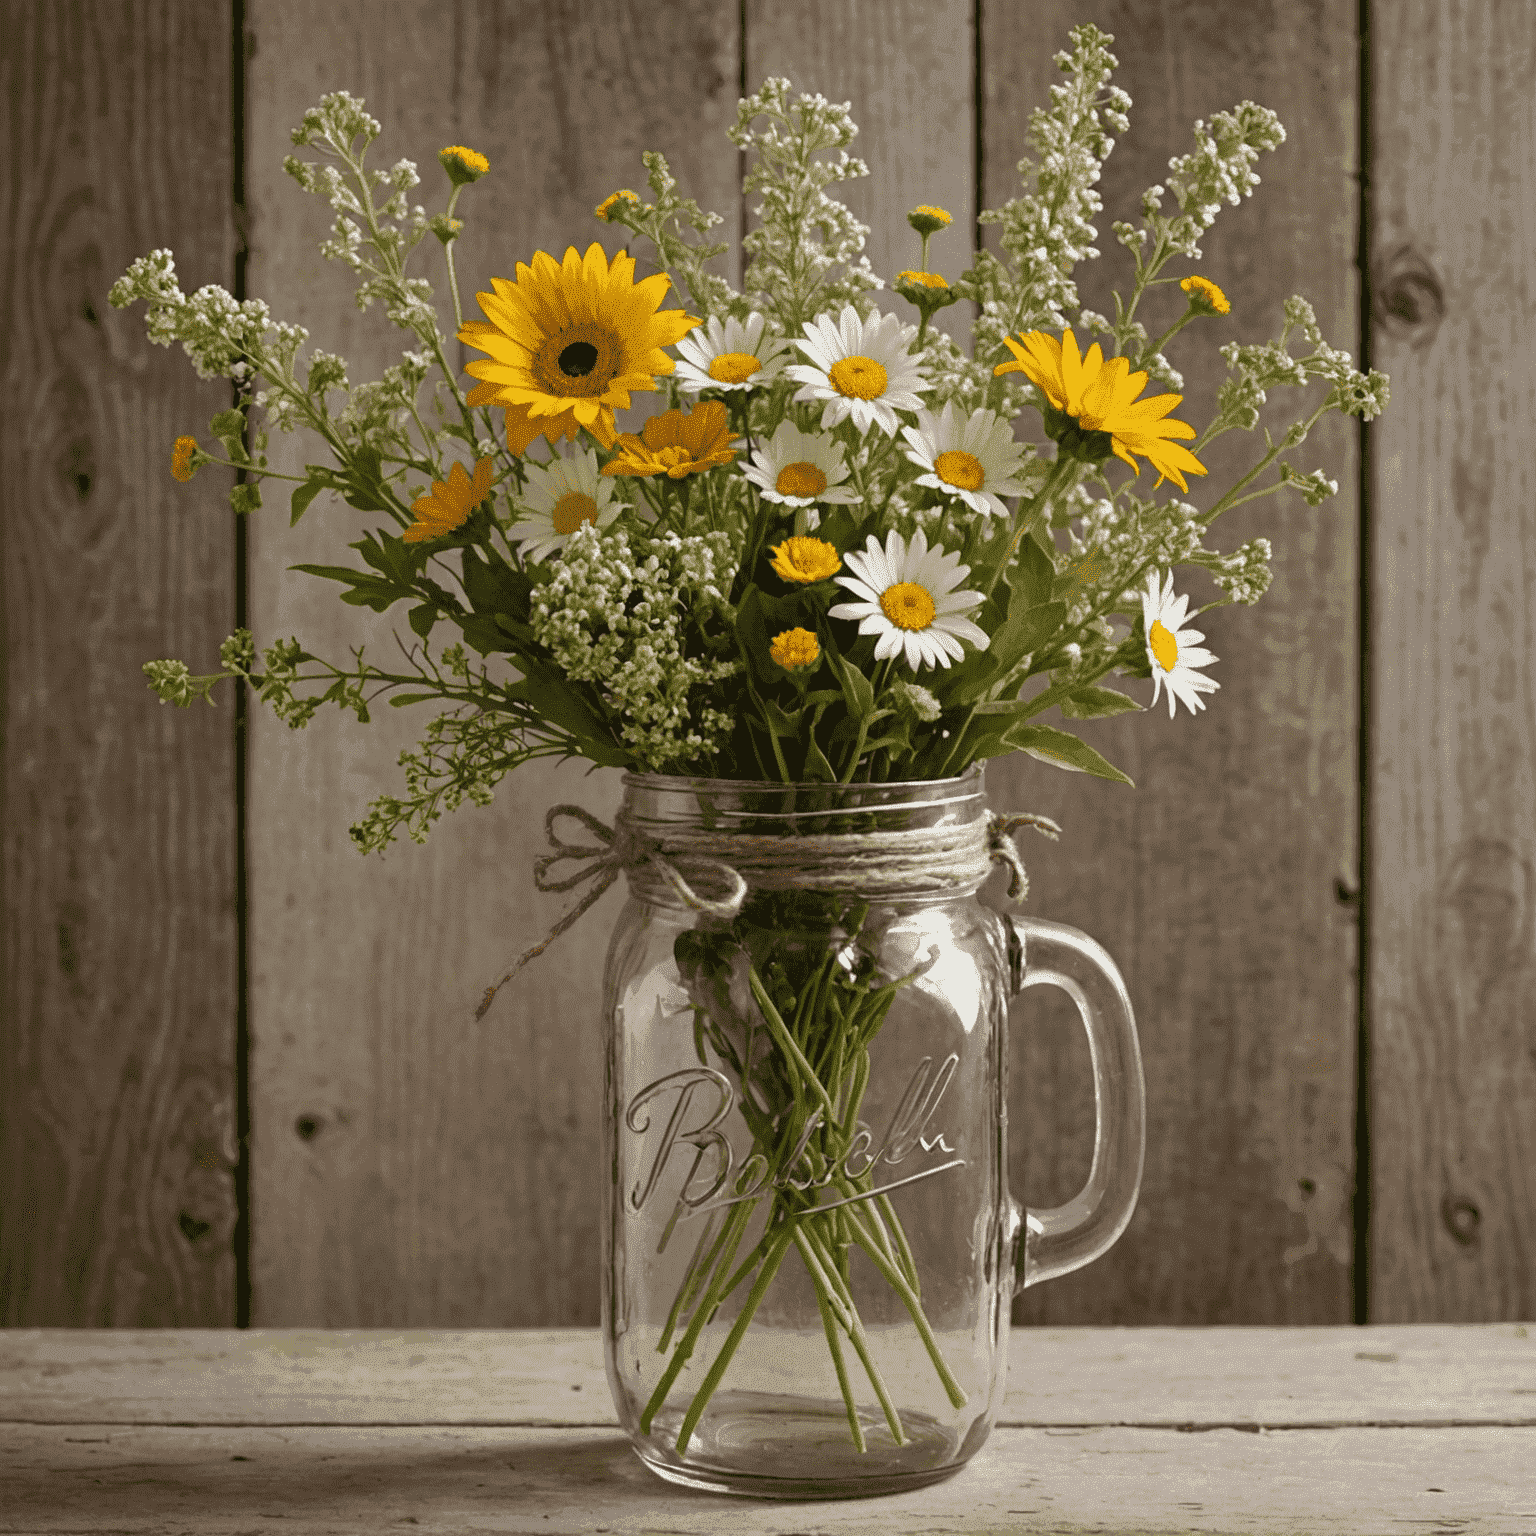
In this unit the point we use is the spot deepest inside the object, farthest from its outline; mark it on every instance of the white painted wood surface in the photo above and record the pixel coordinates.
(1105, 1429)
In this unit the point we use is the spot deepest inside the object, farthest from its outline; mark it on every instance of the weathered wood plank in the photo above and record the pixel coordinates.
(226, 1480)
(412, 1166)
(117, 1077)
(1213, 882)
(1171, 1377)
(1453, 825)
(905, 68)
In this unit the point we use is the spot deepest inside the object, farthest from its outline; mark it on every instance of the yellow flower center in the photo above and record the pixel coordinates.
(578, 361)
(1164, 647)
(907, 605)
(801, 478)
(733, 367)
(676, 461)
(923, 279)
(805, 560)
(794, 648)
(858, 378)
(959, 468)
(572, 510)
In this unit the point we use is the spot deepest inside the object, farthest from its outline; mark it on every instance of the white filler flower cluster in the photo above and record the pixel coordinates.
(613, 615)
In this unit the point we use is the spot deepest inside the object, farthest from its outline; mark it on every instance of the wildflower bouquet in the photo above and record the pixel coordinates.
(841, 549)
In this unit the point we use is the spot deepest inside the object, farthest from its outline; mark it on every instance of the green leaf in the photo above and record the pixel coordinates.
(302, 496)
(364, 483)
(493, 587)
(376, 592)
(400, 700)
(781, 721)
(857, 689)
(752, 637)
(1032, 575)
(1063, 750)
(245, 497)
(423, 616)
(552, 695)
(1089, 703)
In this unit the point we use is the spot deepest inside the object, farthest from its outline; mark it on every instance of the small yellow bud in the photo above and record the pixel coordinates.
(928, 220)
(182, 450)
(603, 208)
(795, 649)
(463, 165)
(1205, 298)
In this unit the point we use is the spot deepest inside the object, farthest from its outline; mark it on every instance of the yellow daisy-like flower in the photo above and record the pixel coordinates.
(806, 560)
(448, 506)
(676, 443)
(568, 343)
(1205, 296)
(181, 457)
(1100, 396)
(603, 208)
(922, 279)
(794, 649)
(463, 165)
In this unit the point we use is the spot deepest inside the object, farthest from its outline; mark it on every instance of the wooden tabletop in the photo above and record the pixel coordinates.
(1360, 1430)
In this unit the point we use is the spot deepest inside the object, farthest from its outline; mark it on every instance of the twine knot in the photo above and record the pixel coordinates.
(1000, 844)
(620, 849)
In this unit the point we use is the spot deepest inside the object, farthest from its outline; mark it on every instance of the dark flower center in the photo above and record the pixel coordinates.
(578, 359)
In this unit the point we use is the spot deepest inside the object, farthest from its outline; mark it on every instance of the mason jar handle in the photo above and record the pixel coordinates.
(1065, 1237)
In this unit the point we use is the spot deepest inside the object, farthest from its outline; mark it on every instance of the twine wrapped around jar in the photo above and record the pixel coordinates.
(889, 865)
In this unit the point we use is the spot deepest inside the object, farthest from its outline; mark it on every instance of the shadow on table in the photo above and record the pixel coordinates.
(395, 1479)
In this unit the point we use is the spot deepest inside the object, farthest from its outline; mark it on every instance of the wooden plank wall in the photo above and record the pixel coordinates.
(410, 1167)
(117, 817)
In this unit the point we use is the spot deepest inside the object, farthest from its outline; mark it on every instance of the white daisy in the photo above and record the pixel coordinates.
(1174, 652)
(862, 369)
(971, 458)
(908, 599)
(798, 469)
(735, 355)
(560, 496)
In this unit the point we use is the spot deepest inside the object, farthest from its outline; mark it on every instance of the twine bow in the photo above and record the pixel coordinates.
(619, 850)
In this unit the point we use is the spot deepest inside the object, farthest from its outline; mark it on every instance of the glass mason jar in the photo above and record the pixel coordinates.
(810, 1248)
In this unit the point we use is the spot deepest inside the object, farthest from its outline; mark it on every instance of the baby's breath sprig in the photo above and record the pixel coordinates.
(806, 251)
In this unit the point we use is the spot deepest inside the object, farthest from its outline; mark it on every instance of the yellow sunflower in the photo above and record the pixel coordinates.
(676, 443)
(1096, 395)
(449, 505)
(568, 343)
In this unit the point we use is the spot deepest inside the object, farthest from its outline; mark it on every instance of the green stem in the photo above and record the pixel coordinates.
(780, 1032)
(680, 1356)
(897, 1282)
(843, 1385)
(771, 1262)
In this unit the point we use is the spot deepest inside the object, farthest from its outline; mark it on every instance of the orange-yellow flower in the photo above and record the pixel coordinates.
(803, 559)
(676, 443)
(181, 457)
(1100, 396)
(448, 506)
(794, 649)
